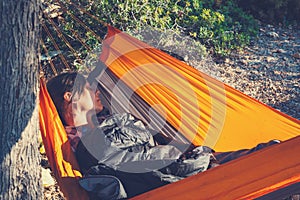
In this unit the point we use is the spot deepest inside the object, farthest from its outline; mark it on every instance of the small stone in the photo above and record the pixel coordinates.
(277, 72)
(47, 178)
(260, 41)
(245, 62)
(273, 34)
(262, 30)
(285, 58)
(280, 51)
(186, 58)
(269, 59)
(255, 66)
(246, 57)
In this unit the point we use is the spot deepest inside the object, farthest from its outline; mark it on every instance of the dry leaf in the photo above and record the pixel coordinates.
(296, 55)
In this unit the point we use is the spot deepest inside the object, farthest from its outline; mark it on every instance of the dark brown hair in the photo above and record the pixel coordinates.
(62, 83)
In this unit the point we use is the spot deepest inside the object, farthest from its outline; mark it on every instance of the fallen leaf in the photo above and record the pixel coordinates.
(296, 55)
(47, 178)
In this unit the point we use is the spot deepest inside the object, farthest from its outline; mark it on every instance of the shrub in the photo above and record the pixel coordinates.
(220, 26)
(215, 26)
(273, 11)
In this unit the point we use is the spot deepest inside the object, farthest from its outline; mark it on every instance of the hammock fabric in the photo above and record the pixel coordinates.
(61, 158)
(248, 177)
(204, 110)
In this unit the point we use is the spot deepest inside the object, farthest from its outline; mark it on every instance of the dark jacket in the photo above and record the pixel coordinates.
(122, 148)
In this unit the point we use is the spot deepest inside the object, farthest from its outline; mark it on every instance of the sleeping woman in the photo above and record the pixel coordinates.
(119, 156)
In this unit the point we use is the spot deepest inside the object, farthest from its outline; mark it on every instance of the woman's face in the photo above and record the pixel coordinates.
(84, 102)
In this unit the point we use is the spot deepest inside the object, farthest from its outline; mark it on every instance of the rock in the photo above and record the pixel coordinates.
(246, 57)
(245, 62)
(285, 58)
(269, 59)
(227, 60)
(280, 51)
(260, 41)
(262, 30)
(47, 178)
(186, 58)
(273, 34)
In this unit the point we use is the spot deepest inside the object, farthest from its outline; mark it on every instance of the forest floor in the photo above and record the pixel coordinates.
(267, 70)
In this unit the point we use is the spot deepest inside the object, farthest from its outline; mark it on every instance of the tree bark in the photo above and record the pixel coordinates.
(20, 172)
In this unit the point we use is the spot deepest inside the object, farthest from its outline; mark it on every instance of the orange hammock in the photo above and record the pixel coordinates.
(60, 156)
(201, 108)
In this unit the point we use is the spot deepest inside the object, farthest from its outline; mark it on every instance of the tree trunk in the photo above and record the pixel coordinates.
(20, 172)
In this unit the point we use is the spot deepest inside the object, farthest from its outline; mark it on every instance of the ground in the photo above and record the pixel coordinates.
(267, 70)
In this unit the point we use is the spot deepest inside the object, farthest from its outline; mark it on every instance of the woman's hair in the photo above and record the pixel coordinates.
(62, 83)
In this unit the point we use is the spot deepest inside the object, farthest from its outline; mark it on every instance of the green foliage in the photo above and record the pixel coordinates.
(187, 29)
(220, 26)
(273, 11)
(224, 27)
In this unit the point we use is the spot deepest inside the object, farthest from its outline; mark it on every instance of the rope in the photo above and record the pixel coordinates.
(49, 57)
(78, 20)
(61, 35)
(89, 14)
(55, 45)
(75, 34)
(72, 36)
